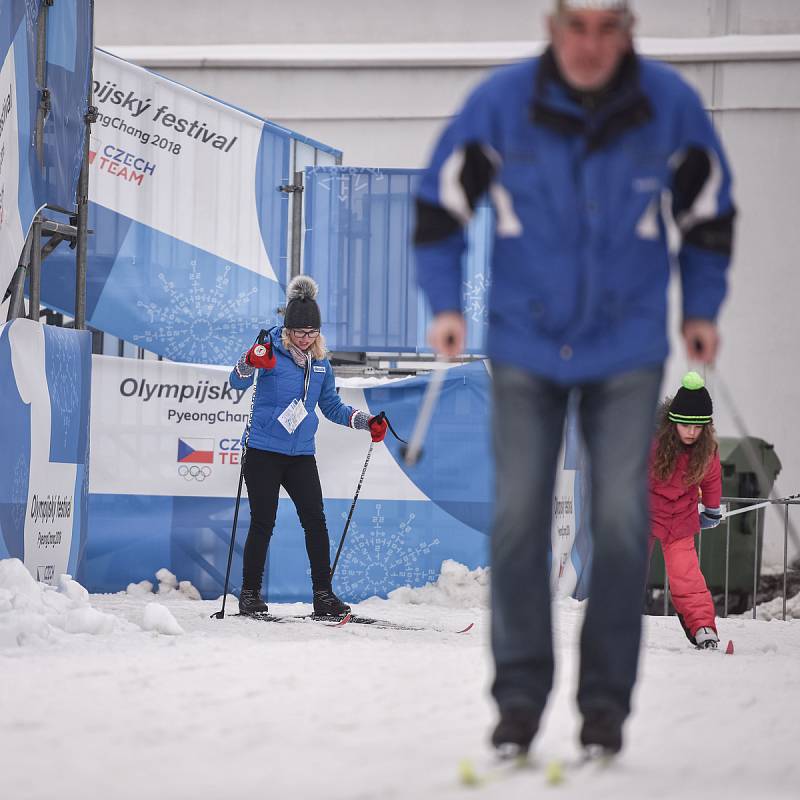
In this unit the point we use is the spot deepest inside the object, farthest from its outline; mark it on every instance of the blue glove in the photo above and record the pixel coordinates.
(710, 518)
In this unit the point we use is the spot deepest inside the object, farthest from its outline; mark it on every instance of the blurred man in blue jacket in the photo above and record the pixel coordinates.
(601, 166)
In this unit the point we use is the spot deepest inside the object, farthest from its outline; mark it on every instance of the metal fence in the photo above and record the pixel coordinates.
(358, 228)
(756, 505)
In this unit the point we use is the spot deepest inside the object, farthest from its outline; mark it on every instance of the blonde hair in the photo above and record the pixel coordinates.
(318, 349)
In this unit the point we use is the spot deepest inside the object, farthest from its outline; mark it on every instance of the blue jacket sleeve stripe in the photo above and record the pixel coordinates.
(704, 211)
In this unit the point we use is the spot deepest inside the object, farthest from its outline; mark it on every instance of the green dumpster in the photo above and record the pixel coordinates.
(738, 480)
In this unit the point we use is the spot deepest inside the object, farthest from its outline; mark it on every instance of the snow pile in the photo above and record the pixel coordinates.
(168, 586)
(31, 611)
(774, 609)
(456, 587)
(139, 589)
(158, 618)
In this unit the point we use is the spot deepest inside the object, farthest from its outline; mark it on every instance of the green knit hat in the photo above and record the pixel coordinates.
(692, 404)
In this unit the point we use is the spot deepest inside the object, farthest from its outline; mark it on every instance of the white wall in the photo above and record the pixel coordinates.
(377, 115)
(759, 122)
(389, 115)
(239, 21)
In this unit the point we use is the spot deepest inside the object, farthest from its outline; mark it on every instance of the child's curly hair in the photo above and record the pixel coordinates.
(669, 446)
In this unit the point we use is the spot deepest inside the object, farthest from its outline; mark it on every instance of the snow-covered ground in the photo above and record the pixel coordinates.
(141, 694)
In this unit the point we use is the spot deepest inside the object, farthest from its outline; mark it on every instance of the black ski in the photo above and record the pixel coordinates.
(347, 619)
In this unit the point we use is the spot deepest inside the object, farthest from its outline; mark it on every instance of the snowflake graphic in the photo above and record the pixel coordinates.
(19, 494)
(475, 295)
(64, 387)
(348, 184)
(375, 561)
(202, 325)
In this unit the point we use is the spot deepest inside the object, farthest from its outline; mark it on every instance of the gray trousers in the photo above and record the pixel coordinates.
(617, 421)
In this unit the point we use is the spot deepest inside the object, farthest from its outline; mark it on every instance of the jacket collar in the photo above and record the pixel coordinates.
(276, 334)
(599, 117)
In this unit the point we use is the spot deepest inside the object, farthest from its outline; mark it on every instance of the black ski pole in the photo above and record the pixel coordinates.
(353, 505)
(221, 614)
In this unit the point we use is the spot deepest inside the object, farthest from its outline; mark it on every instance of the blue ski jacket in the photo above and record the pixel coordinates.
(275, 390)
(592, 203)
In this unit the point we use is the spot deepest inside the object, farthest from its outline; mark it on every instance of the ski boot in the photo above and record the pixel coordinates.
(250, 602)
(327, 604)
(601, 734)
(514, 732)
(706, 639)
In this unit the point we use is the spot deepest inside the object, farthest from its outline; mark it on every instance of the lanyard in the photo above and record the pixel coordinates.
(307, 377)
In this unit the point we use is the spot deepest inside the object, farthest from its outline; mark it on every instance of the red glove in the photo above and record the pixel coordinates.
(261, 356)
(377, 427)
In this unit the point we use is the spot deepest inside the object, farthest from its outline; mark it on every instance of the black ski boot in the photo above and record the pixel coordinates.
(327, 604)
(514, 732)
(250, 602)
(601, 733)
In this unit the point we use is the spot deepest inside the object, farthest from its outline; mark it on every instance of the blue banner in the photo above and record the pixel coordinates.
(67, 76)
(31, 177)
(45, 380)
(189, 252)
(358, 247)
(20, 175)
(152, 506)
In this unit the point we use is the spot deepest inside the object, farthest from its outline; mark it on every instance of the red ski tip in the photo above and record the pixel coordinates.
(468, 628)
(729, 648)
(347, 617)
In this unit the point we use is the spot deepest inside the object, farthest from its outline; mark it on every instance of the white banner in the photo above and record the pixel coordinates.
(164, 156)
(49, 514)
(563, 575)
(165, 429)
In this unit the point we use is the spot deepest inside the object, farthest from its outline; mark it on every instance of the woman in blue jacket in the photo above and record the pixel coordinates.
(295, 378)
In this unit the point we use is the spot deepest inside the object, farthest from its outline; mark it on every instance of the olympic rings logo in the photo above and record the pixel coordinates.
(194, 472)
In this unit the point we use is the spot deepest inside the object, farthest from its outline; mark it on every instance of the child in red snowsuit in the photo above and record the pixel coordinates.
(685, 468)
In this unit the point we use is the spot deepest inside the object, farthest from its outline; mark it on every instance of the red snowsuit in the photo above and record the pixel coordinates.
(675, 521)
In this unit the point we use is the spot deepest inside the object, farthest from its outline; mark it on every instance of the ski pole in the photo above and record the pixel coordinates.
(779, 501)
(412, 453)
(744, 510)
(221, 614)
(382, 416)
(352, 507)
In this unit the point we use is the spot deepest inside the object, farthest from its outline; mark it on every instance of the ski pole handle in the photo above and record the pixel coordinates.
(424, 417)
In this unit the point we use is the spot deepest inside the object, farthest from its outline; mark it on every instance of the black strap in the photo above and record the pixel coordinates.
(306, 377)
(383, 416)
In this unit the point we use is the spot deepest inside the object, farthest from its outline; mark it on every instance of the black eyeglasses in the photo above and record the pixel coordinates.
(306, 334)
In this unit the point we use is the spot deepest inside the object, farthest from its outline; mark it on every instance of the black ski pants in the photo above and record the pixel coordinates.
(264, 473)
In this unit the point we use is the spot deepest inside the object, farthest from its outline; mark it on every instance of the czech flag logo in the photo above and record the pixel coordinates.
(196, 451)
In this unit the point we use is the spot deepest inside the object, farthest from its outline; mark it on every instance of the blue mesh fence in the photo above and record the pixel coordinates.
(359, 224)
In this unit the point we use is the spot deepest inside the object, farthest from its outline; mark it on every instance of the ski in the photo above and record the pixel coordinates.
(347, 619)
(498, 769)
(594, 758)
(329, 622)
(555, 772)
(727, 651)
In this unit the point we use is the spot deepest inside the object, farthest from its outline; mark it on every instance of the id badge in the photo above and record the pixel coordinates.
(293, 415)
